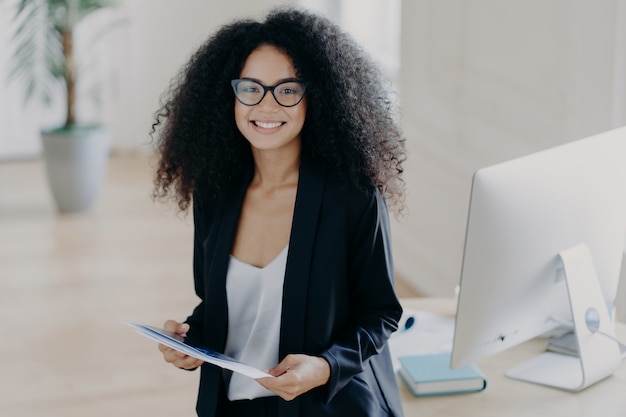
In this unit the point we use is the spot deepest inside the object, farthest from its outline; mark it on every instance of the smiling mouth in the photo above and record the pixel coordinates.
(268, 125)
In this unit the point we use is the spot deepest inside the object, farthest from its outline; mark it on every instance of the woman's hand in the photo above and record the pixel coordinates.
(295, 375)
(176, 358)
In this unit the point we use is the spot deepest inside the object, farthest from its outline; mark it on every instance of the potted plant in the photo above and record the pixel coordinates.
(75, 154)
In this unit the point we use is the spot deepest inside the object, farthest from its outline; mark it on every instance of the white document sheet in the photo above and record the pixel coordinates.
(173, 341)
(429, 333)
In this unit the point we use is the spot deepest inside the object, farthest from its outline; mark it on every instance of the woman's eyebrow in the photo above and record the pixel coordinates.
(282, 80)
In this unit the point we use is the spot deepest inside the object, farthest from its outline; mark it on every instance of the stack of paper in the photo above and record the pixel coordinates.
(429, 333)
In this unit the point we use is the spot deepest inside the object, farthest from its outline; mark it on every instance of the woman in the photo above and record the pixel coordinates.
(281, 134)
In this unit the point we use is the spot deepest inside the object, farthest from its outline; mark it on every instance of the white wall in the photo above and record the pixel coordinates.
(485, 81)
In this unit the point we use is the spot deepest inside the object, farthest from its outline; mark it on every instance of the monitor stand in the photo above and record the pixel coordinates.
(599, 354)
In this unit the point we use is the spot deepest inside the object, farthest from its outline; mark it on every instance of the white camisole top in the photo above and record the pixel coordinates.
(254, 308)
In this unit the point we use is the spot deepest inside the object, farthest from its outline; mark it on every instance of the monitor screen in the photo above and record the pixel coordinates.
(543, 249)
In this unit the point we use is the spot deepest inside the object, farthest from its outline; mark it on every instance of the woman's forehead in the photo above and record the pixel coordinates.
(268, 64)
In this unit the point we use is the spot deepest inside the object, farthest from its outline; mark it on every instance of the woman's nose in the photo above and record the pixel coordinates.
(268, 101)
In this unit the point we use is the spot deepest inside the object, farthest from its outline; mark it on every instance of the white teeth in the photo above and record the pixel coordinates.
(268, 125)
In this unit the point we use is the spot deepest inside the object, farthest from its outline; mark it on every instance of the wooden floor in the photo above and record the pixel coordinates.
(63, 278)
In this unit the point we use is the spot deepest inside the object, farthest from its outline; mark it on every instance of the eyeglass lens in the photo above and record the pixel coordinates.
(251, 93)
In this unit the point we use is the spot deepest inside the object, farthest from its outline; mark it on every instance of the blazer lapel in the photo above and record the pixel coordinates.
(302, 239)
(297, 275)
(219, 246)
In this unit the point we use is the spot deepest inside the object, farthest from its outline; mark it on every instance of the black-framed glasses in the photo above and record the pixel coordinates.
(287, 93)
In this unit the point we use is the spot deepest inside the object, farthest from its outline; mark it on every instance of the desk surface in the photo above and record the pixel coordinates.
(511, 398)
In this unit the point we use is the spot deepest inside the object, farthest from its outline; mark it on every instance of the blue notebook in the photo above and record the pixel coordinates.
(431, 375)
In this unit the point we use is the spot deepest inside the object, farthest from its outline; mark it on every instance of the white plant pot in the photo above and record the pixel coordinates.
(76, 162)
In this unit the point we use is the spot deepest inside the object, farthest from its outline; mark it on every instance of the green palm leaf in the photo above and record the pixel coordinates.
(40, 60)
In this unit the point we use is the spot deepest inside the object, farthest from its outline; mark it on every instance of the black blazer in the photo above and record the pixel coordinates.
(339, 300)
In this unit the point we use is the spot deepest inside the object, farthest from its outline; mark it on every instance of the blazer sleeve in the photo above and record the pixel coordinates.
(376, 309)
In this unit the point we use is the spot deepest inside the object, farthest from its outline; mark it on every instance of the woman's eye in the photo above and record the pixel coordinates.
(291, 89)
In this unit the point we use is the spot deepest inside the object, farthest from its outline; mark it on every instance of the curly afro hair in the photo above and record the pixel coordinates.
(350, 124)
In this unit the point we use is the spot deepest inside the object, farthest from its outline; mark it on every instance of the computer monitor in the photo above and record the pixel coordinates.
(544, 245)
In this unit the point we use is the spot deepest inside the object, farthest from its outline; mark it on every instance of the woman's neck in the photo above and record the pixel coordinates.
(276, 168)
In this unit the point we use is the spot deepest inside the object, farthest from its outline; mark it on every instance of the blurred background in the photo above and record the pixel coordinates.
(478, 82)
